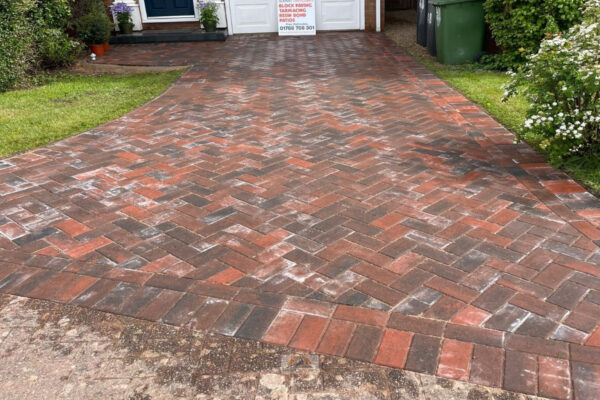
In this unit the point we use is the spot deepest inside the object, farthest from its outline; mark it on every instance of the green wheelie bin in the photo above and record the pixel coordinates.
(459, 30)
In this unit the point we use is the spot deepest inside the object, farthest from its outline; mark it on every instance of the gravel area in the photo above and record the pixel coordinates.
(400, 26)
(53, 351)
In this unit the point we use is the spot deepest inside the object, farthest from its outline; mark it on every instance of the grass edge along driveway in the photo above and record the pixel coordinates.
(69, 104)
(484, 87)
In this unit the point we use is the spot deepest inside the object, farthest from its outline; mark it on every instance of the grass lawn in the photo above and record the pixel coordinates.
(69, 104)
(485, 88)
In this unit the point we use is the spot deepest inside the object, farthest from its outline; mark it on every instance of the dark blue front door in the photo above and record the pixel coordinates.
(168, 8)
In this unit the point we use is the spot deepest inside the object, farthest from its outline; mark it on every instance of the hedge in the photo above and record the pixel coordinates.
(518, 26)
(32, 36)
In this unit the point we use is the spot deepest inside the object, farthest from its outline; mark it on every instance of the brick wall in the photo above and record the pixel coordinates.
(370, 20)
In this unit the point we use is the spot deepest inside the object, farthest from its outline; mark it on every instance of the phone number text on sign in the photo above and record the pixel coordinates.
(296, 17)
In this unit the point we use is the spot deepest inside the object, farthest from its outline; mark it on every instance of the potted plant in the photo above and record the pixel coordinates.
(208, 15)
(122, 13)
(94, 29)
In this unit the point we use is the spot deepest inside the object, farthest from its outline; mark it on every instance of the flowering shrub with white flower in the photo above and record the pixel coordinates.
(562, 84)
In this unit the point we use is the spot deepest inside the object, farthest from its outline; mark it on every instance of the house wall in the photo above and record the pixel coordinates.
(370, 19)
(161, 25)
(370, 15)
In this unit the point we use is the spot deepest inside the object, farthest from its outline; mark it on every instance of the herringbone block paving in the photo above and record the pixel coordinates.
(325, 193)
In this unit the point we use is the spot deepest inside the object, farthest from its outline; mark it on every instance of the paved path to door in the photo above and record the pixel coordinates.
(327, 194)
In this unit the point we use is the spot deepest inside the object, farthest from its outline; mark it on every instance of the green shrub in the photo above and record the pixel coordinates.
(562, 84)
(80, 8)
(518, 26)
(95, 28)
(56, 48)
(50, 14)
(32, 34)
(16, 42)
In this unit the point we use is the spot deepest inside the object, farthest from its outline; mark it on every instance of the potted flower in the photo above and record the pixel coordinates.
(122, 13)
(208, 15)
(94, 29)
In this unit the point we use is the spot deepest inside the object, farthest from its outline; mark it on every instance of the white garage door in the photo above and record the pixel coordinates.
(335, 15)
(259, 16)
(254, 16)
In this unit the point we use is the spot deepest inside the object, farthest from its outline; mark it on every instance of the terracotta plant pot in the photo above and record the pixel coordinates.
(106, 47)
(97, 49)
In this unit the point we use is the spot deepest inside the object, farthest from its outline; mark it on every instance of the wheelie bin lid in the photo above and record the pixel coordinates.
(448, 2)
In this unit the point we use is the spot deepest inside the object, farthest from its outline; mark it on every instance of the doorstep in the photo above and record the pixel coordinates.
(165, 36)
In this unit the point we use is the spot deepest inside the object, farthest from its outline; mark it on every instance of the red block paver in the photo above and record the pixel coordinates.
(309, 333)
(393, 348)
(341, 200)
(471, 316)
(283, 328)
(336, 338)
(555, 378)
(455, 359)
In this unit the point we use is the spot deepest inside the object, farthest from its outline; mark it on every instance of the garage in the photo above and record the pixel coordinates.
(260, 16)
(253, 16)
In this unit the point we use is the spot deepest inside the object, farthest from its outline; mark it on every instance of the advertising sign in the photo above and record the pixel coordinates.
(296, 17)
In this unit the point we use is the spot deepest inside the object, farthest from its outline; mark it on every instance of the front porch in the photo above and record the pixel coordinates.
(195, 34)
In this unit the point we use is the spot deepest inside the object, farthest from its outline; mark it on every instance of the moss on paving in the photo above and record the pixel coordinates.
(484, 87)
(70, 104)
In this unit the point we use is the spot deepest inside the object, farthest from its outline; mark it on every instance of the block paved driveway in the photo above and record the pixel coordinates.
(328, 194)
